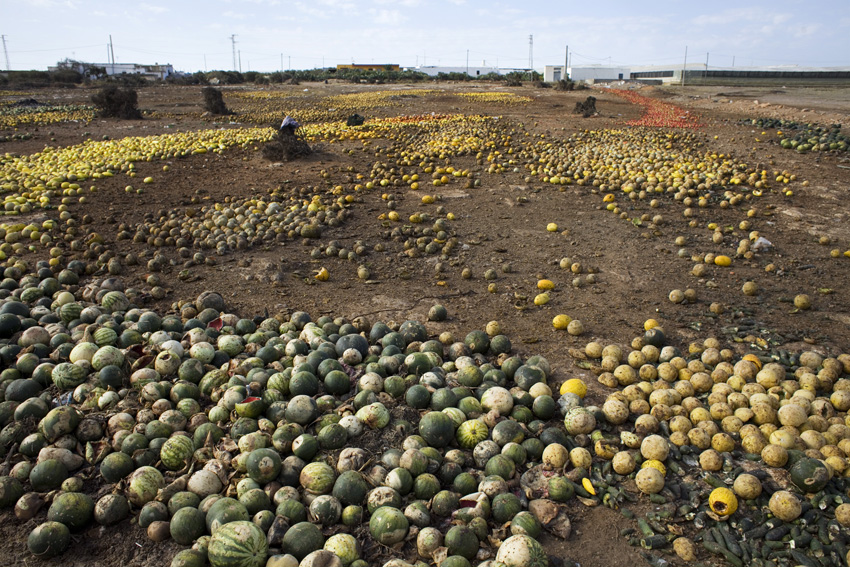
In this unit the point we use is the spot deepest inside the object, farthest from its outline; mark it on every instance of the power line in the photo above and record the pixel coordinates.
(56, 49)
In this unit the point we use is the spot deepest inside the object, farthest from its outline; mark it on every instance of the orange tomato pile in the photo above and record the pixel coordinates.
(659, 114)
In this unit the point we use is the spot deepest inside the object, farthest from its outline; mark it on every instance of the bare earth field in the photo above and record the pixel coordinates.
(500, 225)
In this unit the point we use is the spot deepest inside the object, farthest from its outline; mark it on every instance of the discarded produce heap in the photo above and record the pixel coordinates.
(228, 433)
(283, 440)
(14, 116)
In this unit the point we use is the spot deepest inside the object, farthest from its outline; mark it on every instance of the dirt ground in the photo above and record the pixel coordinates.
(500, 225)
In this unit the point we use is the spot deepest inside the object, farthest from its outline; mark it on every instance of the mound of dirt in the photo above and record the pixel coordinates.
(286, 146)
(586, 108)
(214, 101)
(28, 102)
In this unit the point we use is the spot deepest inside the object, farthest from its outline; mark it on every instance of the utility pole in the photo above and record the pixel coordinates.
(6, 53)
(233, 41)
(240, 60)
(566, 63)
(112, 53)
(733, 60)
(685, 66)
(531, 53)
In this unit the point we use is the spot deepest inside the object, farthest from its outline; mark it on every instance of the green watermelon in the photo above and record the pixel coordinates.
(238, 544)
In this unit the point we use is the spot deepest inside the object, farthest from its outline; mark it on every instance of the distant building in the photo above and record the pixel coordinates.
(593, 73)
(472, 71)
(155, 71)
(699, 74)
(554, 73)
(372, 67)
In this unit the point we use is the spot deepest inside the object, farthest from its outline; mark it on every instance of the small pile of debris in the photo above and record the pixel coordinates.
(287, 144)
(27, 102)
(214, 102)
(355, 120)
(586, 108)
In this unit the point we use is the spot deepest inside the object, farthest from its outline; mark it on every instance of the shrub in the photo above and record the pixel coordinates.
(129, 80)
(492, 77)
(67, 76)
(116, 102)
(214, 101)
(514, 79)
(453, 77)
(225, 77)
(197, 78)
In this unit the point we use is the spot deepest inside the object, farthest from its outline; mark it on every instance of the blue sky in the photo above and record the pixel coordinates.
(304, 34)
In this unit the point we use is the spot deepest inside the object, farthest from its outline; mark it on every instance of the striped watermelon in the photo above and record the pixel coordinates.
(212, 380)
(238, 544)
(106, 356)
(70, 311)
(115, 301)
(522, 550)
(176, 452)
(68, 376)
(105, 336)
(471, 433)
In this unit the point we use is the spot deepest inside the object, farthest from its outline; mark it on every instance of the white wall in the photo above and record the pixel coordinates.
(553, 73)
(599, 73)
(433, 71)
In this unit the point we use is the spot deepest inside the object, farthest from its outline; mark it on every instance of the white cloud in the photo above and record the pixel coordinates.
(312, 11)
(405, 3)
(230, 15)
(387, 17)
(339, 4)
(153, 9)
(52, 4)
(324, 9)
(258, 2)
(806, 30)
(736, 16)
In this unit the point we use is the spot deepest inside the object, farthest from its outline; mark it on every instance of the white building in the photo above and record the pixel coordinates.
(155, 71)
(554, 73)
(697, 73)
(472, 71)
(594, 73)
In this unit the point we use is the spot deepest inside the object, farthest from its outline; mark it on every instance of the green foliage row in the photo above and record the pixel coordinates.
(70, 77)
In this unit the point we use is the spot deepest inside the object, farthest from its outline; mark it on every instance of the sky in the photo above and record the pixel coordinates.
(271, 35)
